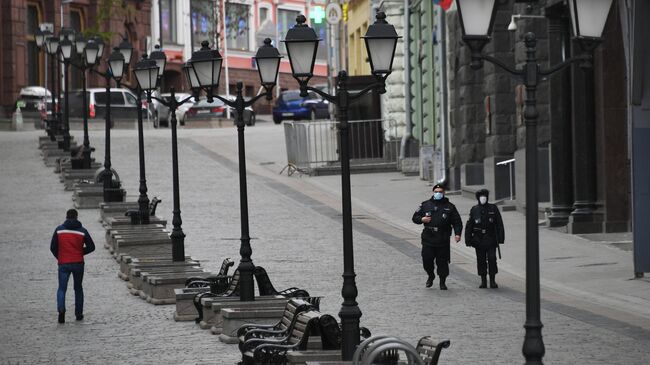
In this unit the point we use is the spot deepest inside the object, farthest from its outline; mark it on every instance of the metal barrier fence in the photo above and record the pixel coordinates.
(314, 144)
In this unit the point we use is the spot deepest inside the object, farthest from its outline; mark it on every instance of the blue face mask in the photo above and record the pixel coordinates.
(437, 195)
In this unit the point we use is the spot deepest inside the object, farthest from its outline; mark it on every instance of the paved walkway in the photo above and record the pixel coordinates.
(296, 225)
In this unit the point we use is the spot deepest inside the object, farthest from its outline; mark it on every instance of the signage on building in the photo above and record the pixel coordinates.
(333, 13)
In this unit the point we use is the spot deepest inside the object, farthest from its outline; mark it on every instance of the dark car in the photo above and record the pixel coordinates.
(202, 110)
(290, 105)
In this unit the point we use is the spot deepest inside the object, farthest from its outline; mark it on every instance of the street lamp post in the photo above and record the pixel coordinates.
(477, 19)
(66, 46)
(302, 45)
(52, 45)
(206, 65)
(89, 52)
(147, 73)
(115, 70)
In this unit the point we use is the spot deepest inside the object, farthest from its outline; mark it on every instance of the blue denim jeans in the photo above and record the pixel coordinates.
(77, 271)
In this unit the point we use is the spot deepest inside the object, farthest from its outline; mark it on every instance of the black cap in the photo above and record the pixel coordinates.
(439, 186)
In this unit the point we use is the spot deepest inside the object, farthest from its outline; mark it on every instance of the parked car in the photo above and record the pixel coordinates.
(202, 110)
(161, 113)
(290, 105)
(124, 104)
(34, 101)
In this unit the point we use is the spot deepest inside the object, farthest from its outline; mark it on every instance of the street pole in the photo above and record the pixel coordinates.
(86, 164)
(246, 266)
(107, 174)
(53, 127)
(66, 110)
(533, 347)
(143, 199)
(350, 312)
(177, 235)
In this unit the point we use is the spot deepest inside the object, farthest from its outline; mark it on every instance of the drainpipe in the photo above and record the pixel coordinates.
(408, 133)
(444, 115)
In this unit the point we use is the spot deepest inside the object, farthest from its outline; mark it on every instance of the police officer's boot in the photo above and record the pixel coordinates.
(493, 284)
(442, 283)
(483, 282)
(430, 280)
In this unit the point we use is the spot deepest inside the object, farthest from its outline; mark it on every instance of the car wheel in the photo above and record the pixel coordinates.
(312, 115)
(277, 120)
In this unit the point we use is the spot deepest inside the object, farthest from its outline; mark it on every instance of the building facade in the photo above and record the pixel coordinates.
(238, 28)
(23, 64)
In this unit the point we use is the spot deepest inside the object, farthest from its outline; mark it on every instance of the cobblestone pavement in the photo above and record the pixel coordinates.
(295, 237)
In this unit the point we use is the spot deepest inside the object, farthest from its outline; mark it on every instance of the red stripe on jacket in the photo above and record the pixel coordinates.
(71, 246)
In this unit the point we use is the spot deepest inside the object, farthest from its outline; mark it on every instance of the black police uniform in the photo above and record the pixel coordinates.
(435, 235)
(484, 231)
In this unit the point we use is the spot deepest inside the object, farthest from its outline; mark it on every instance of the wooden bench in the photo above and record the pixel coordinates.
(265, 286)
(274, 351)
(277, 330)
(216, 283)
(231, 291)
(136, 216)
(385, 350)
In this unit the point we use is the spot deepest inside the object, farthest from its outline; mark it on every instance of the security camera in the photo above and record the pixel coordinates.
(513, 25)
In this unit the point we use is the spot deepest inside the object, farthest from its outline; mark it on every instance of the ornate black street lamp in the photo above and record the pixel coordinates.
(302, 45)
(206, 65)
(65, 48)
(52, 46)
(146, 72)
(476, 19)
(114, 70)
(88, 52)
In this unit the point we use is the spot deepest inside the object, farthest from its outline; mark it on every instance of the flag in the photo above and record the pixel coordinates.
(444, 4)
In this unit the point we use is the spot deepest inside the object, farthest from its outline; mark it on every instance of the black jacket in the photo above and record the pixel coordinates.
(444, 219)
(484, 227)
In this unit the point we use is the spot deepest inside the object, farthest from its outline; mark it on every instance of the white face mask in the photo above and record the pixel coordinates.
(482, 199)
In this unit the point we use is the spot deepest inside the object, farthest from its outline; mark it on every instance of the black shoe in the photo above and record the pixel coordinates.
(430, 281)
(493, 284)
(80, 317)
(483, 282)
(443, 286)
(62, 317)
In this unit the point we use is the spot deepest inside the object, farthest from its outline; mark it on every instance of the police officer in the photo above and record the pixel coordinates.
(485, 232)
(439, 217)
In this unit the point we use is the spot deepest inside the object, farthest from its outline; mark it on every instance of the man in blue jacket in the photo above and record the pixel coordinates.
(70, 242)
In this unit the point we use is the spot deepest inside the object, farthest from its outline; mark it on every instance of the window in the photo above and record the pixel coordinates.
(77, 23)
(33, 58)
(116, 98)
(237, 26)
(202, 22)
(130, 99)
(168, 20)
(264, 15)
(286, 21)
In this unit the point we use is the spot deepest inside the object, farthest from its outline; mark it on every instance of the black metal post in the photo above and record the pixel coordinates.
(177, 235)
(143, 200)
(59, 118)
(246, 266)
(107, 174)
(66, 110)
(533, 348)
(86, 163)
(52, 126)
(350, 312)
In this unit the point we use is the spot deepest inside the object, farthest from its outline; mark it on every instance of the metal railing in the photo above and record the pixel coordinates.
(314, 144)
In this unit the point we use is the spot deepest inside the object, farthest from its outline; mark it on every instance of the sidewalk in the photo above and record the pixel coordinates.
(590, 274)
